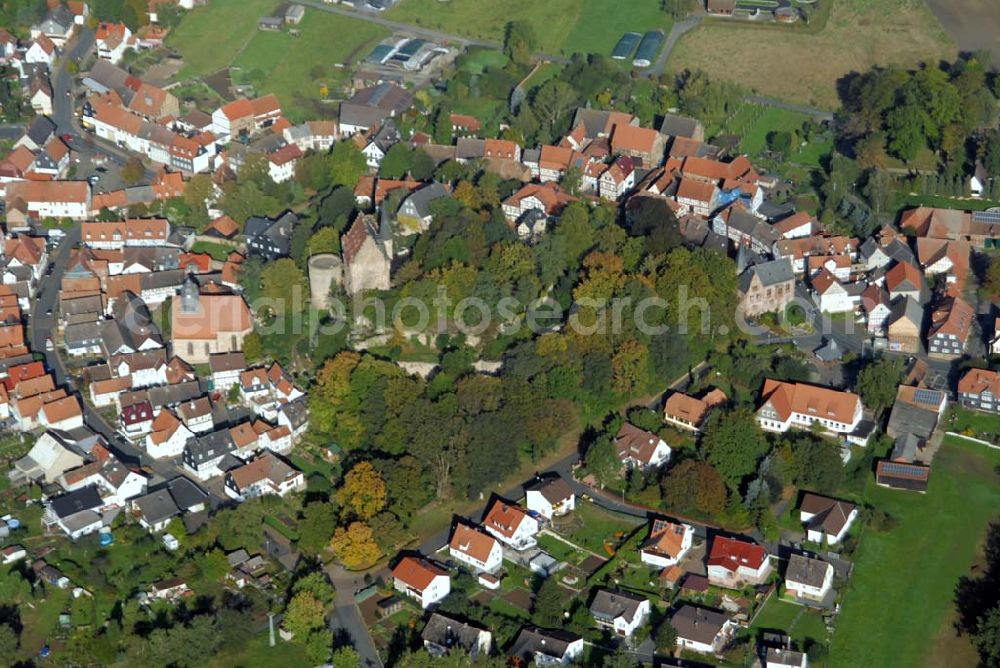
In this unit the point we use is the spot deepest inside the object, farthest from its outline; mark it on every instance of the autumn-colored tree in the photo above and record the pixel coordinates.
(304, 613)
(630, 365)
(279, 280)
(355, 546)
(695, 485)
(363, 491)
(332, 387)
(467, 194)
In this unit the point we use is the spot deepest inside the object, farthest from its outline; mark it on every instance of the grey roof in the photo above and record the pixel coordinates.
(594, 121)
(553, 488)
(155, 258)
(676, 125)
(157, 506)
(185, 493)
(906, 447)
(385, 96)
(40, 130)
(59, 17)
(470, 148)
(208, 447)
(747, 223)
(262, 234)
(447, 632)
(907, 418)
(774, 212)
(531, 156)
(110, 77)
(78, 501)
(829, 352)
(421, 199)
(162, 279)
(699, 624)
(610, 605)
(297, 411)
(237, 557)
(361, 116)
(806, 571)
(550, 642)
(906, 307)
(785, 657)
(770, 273)
(82, 334)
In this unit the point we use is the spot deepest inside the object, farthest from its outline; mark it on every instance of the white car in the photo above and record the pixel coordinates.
(170, 542)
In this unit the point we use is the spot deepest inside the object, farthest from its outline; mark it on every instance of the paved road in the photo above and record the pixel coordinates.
(11, 131)
(679, 30)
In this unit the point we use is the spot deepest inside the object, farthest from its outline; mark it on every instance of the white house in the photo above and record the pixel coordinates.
(511, 524)
(266, 475)
(226, 369)
(476, 549)
(778, 657)
(668, 543)
(167, 436)
(827, 520)
(546, 647)
(550, 497)
(800, 405)
(621, 612)
(833, 296)
(42, 50)
(736, 563)
(640, 448)
(421, 580)
(808, 578)
(702, 630)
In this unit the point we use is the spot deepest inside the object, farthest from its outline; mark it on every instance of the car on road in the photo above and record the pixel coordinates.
(67, 137)
(49, 345)
(94, 178)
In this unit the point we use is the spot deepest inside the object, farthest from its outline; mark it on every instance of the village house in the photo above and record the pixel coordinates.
(617, 179)
(370, 107)
(826, 520)
(112, 40)
(641, 449)
(196, 414)
(904, 325)
(833, 296)
(243, 117)
(50, 199)
(690, 413)
(50, 457)
(620, 612)
(76, 513)
(368, 251)
(906, 280)
(876, 306)
(783, 657)
(268, 238)
(800, 405)
(414, 214)
(268, 474)
(702, 630)
(204, 324)
(475, 549)
(167, 436)
(744, 229)
(668, 543)
(952, 319)
(444, 635)
(734, 563)
(545, 647)
(807, 578)
(766, 288)
(422, 580)
(548, 199)
(979, 389)
(549, 496)
(210, 455)
(511, 524)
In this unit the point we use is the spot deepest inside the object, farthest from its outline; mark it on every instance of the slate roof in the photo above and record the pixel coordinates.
(610, 605)
(770, 273)
(803, 570)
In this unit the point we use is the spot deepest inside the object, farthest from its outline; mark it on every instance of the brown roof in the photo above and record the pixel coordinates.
(952, 316)
(689, 409)
(217, 314)
(977, 381)
(634, 443)
(239, 108)
(227, 362)
(696, 190)
(805, 399)
(830, 514)
(224, 226)
(417, 573)
(627, 137)
(666, 538)
(164, 426)
(476, 544)
(148, 100)
(62, 409)
(49, 191)
(504, 517)
(266, 467)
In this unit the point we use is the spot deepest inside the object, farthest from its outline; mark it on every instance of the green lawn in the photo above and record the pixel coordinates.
(292, 67)
(754, 122)
(900, 595)
(210, 36)
(947, 202)
(218, 251)
(560, 550)
(589, 526)
(562, 26)
(259, 654)
(985, 426)
(797, 621)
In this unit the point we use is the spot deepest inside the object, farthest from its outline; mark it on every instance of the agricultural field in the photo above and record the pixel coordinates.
(293, 67)
(898, 605)
(795, 65)
(563, 27)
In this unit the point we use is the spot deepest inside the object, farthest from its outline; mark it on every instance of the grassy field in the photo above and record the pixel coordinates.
(796, 65)
(899, 600)
(589, 526)
(797, 621)
(754, 122)
(980, 425)
(292, 67)
(562, 26)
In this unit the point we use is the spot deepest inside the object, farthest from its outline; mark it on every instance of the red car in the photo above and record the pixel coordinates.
(67, 138)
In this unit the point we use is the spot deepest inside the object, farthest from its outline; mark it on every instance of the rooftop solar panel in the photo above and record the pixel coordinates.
(929, 397)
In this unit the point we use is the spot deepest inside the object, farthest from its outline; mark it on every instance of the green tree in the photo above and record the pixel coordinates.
(347, 164)
(397, 161)
(305, 613)
(316, 526)
(550, 602)
(986, 639)
(734, 444)
(317, 584)
(279, 279)
(678, 9)
(346, 657)
(665, 636)
(422, 165)
(133, 171)
(8, 645)
(520, 42)
(324, 240)
(620, 659)
(694, 485)
(877, 383)
(253, 347)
